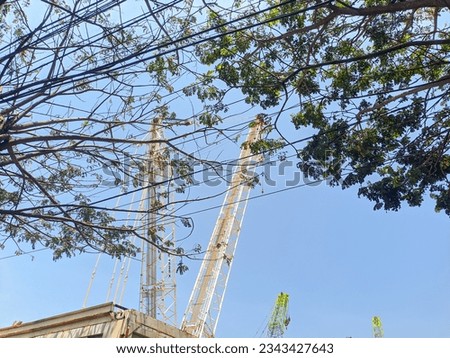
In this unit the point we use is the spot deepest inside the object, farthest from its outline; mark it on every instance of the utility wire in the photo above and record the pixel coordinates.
(103, 71)
(167, 181)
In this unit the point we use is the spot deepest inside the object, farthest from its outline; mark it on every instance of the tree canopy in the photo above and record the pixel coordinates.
(86, 86)
(370, 80)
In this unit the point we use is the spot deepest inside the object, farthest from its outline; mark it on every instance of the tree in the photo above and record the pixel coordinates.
(370, 80)
(81, 85)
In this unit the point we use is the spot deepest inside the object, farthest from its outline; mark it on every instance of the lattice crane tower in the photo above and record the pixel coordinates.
(158, 277)
(377, 327)
(279, 319)
(205, 303)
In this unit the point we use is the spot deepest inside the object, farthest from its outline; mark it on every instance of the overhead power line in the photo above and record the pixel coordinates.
(161, 49)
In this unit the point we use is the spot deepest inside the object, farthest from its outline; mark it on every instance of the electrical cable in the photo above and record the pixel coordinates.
(231, 162)
(101, 70)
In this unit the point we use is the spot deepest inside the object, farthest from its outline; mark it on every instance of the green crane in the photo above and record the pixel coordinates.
(279, 320)
(377, 327)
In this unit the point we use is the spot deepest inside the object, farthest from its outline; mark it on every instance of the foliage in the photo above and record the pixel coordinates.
(370, 80)
(85, 83)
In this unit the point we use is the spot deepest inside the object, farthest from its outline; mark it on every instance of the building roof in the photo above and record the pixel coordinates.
(102, 321)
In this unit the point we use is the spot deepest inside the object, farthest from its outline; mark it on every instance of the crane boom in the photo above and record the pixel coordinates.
(279, 318)
(203, 310)
(377, 327)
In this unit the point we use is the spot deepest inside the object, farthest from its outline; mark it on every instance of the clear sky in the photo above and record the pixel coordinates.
(340, 262)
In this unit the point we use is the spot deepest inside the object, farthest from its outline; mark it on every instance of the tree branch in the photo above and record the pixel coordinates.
(344, 9)
(321, 22)
(368, 56)
(442, 81)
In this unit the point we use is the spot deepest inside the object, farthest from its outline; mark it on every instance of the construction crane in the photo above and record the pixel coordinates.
(157, 296)
(203, 310)
(279, 319)
(158, 278)
(157, 288)
(377, 327)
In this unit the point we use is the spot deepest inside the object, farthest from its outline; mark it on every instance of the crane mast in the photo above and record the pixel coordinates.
(158, 283)
(377, 327)
(203, 310)
(279, 319)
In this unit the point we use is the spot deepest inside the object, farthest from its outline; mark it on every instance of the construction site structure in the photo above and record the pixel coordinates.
(157, 287)
(102, 321)
(158, 276)
(377, 327)
(155, 226)
(279, 318)
(203, 310)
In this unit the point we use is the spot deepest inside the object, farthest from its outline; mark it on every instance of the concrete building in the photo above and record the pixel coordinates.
(102, 321)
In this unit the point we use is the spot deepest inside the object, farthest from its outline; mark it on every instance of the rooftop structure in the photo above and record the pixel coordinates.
(102, 321)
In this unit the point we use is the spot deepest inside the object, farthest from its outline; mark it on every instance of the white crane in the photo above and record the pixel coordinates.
(157, 288)
(158, 276)
(203, 310)
(158, 283)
